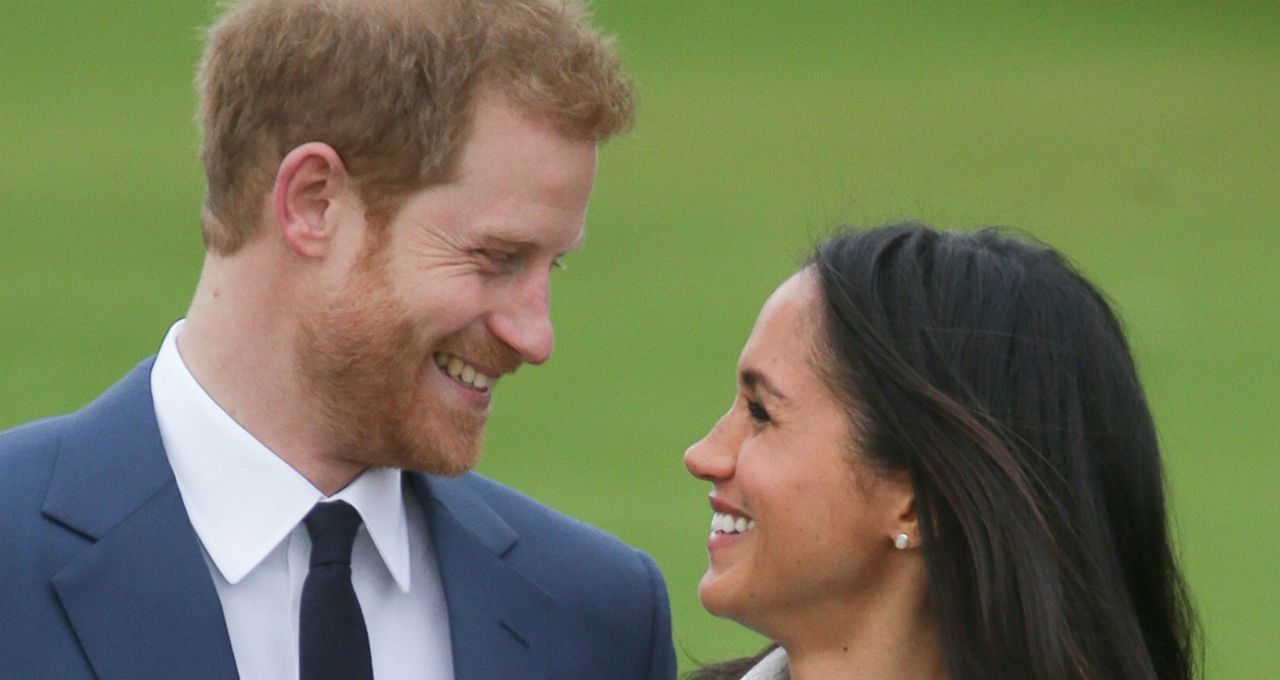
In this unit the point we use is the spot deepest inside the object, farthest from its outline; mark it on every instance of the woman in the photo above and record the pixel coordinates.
(940, 464)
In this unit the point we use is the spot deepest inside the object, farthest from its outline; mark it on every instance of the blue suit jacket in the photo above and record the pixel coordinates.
(101, 573)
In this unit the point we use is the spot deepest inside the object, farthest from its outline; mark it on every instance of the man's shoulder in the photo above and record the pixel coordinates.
(35, 642)
(27, 453)
(30, 450)
(536, 522)
(556, 548)
(610, 599)
(33, 433)
(28, 458)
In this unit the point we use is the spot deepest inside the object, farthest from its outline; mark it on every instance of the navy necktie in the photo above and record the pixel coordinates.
(333, 643)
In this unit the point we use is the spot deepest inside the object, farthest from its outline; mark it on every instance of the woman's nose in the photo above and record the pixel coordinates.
(709, 459)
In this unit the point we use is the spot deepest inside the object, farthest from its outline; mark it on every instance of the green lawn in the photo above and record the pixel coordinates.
(1142, 141)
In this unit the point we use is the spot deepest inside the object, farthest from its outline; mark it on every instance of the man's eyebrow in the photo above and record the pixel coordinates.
(508, 239)
(752, 379)
(513, 240)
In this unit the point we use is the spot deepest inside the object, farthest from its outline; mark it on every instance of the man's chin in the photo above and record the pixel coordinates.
(444, 466)
(448, 454)
(432, 462)
(435, 440)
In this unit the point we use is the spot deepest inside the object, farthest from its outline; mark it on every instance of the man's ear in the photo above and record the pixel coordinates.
(308, 181)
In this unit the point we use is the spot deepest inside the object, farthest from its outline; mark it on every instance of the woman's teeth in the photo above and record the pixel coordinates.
(462, 371)
(722, 523)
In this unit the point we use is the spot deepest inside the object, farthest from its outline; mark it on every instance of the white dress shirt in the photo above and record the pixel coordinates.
(773, 666)
(247, 506)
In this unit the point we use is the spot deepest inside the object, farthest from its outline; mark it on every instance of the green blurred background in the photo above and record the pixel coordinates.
(1143, 141)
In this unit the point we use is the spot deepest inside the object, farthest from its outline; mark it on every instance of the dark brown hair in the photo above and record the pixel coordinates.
(998, 378)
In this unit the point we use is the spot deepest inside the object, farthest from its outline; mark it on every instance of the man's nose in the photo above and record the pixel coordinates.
(524, 321)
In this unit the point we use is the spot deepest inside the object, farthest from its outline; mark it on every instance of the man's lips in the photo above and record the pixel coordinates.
(476, 376)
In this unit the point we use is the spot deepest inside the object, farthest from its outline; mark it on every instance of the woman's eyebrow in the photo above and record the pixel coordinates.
(752, 378)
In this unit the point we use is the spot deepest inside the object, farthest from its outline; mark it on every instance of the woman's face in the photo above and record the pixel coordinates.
(800, 531)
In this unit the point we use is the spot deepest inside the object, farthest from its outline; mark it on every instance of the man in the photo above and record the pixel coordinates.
(282, 492)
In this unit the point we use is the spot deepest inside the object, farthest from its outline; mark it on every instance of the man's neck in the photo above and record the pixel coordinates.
(238, 345)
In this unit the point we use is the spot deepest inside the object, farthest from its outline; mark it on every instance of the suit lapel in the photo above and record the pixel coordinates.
(497, 617)
(139, 596)
(142, 603)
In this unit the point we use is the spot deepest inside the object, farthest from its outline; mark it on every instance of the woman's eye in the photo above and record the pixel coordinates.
(498, 256)
(758, 412)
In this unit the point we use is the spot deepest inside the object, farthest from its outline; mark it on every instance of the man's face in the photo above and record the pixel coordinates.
(403, 355)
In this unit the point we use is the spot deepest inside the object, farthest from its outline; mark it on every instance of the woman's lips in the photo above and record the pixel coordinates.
(728, 524)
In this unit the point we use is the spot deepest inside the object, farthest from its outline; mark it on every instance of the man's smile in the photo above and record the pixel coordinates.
(463, 372)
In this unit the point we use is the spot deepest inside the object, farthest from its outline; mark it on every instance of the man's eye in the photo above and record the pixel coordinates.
(758, 412)
(498, 261)
(558, 263)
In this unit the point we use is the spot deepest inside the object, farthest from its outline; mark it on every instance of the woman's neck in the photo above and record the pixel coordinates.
(889, 636)
(870, 659)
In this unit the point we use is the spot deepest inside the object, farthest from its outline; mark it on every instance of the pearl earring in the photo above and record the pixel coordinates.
(902, 541)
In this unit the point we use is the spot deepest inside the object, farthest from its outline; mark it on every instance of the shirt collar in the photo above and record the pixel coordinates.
(774, 666)
(243, 500)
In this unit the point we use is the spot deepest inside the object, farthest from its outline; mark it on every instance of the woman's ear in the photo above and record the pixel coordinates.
(903, 530)
(308, 181)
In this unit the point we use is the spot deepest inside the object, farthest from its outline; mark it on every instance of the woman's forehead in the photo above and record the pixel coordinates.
(782, 338)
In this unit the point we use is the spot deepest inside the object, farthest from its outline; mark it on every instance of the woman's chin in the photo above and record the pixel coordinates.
(716, 595)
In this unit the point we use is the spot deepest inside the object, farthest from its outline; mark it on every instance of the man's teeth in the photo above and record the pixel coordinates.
(722, 523)
(462, 371)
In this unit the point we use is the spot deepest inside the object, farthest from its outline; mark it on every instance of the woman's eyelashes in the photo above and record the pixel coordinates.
(758, 411)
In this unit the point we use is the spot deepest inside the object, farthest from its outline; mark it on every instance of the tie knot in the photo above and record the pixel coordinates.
(332, 527)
